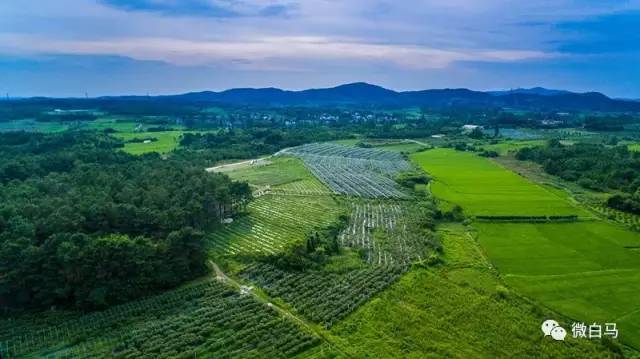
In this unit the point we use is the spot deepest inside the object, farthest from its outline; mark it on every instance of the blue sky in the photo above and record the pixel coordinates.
(110, 47)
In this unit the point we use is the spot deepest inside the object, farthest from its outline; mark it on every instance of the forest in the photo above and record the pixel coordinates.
(85, 225)
(593, 166)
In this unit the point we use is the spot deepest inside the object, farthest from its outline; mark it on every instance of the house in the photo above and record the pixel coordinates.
(470, 128)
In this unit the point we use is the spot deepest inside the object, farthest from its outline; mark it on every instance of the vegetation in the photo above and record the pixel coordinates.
(206, 319)
(593, 166)
(328, 249)
(108, 227)
(323, 297)
(353, 171)
(484, 188)
(274, 223)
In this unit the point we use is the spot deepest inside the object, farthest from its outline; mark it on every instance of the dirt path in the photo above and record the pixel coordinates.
(418, 142)
(239, 165)
(220, 275)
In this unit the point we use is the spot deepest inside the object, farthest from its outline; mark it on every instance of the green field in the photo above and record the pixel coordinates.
(483, 187)
(587, 270)
(506, 147)
(274, 222)
(275, 171)
(455, 311)
(32, 126)
(166, 141)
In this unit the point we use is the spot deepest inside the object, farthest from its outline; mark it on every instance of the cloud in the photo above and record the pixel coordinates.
(396, 42)
(266, 51)
(202, 8)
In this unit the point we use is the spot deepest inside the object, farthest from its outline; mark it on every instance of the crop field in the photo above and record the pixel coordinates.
(353, 171)
(205, 319)
(588, 270)
(274, 222)
(283, 173)
(483, 187)
(380, 228)
(510, 146)
(455, 311)
(626, 218)
(166, 141)
(321, 296)
(305, 187)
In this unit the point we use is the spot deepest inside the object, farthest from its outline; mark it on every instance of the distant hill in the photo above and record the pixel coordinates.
(363, 94)
(531, 91)
(366, 95)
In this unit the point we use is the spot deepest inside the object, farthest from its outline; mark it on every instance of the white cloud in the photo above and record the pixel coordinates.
(262, 52)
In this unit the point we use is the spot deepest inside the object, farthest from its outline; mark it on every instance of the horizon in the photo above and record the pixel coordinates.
(133, 47)
(88, 96)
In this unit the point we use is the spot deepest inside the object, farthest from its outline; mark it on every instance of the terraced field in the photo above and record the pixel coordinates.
(483, 187)
(353, 171)
(273, 223)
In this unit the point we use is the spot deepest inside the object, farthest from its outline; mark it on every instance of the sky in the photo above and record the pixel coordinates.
(69, 48)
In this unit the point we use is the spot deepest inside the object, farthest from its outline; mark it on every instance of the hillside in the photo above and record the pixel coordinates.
(359, 95)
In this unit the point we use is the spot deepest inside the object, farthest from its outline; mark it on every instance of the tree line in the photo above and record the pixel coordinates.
(593, 166)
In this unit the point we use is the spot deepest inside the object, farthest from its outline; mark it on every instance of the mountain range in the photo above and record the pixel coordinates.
(366, 95)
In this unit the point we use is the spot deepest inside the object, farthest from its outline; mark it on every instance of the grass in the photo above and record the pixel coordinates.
(584, 270)
(401, 147)
(634, 147)
(166, 141)
(509, 146)
(558, 248)
(454, 311)
(580, 269)
(277, 171)
(483, 187)
(274, 223)
(33, 126)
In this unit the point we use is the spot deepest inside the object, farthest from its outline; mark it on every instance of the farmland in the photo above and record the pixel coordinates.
(273, 223)
(459, 310)
(353, 171)
(161, 142)
(321, 296)
(383, 230)
(483, 187)
(202, 319)
(586, 269)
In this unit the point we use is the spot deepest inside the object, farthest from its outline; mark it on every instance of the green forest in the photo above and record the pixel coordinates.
(83, 224)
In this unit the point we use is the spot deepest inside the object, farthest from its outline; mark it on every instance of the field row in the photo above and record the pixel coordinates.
(273, 223)
(323, 297)
(380, 228)
(208, 319)
(629, 219)
(353, 171)
(484, 188)
(331, 149)
(353, 176)
(303, 187)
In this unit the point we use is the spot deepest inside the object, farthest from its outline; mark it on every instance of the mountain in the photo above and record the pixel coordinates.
(541, 91)
(366, 95)
(363, 94)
